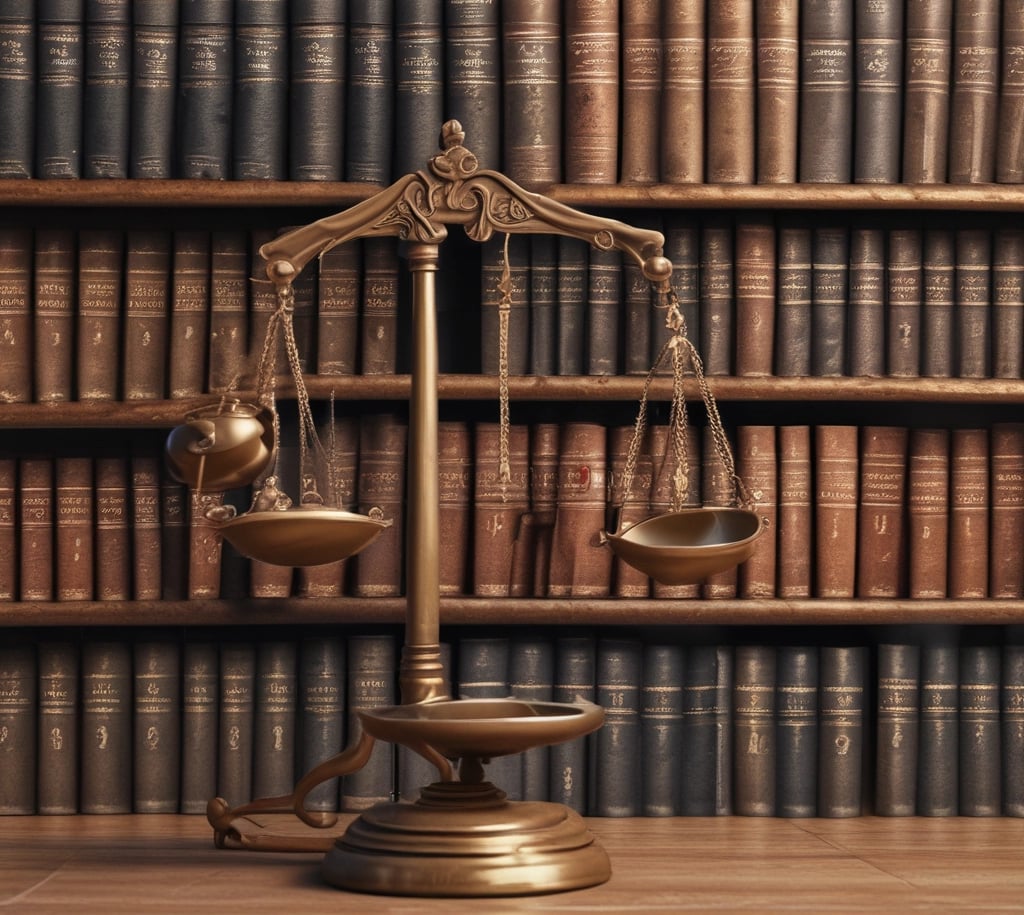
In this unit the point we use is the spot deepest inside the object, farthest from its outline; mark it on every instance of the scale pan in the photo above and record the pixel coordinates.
(685, 547)
(301, 536)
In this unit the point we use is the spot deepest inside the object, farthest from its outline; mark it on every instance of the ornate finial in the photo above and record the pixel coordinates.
(452, 134)
(456, 162)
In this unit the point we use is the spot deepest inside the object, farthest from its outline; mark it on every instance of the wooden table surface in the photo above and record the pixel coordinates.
(167, 864)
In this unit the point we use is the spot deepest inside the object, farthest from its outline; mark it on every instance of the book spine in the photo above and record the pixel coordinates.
(338, 286)
(18, 90)
(472, 48)
(1008, 303)
(660, 455)
(928, 505)
(683, 248)
(841, 742)
(492, 270)
(717, 292)
(1006, 494)
(969, 514)
(604, 302)
(145, 496)
(455, 481)
(778, 90)
(321, 711)
(18, 728)
(1010, 118)
(107, 79)
(36, 523)
(572, 305)
(370, 662)
(617, 745)
(1012, 718)
(419, 82)
(938, 768)
(725, 744)
(574, 681)
(228, 313)
(274, 724)
(235, 704)
(16, 247)
(382, 440)
(793, 299)
(75, 510)
(718, 488)
(731, 93)
(698, 757)
(684, 48)
(754, 764)
(795, 512)
(757, 467)
(661, 728)
(637, 322)
(796, 731)
(531, 675)
(9, 516)
(54, 300)
(881, 540)
(543, 305)
(878, 42)
(156, 756)
(836, 509)
(106, 727)
(59, 88)
(896, 757)
(379, 316)
(154, 86)
(974, 91)
(628, 508)
(205, 547)
(59, 697)
(755, 282)
(868, 288)
(98, 331)
(200, 674)
(980, 748)
(544, 438)
(905, 281)
(829, 291)
(926, 90)
(369, 102)
(937, 278)
(641, 90)
(146, 313)
(973, 302)
(190, 313)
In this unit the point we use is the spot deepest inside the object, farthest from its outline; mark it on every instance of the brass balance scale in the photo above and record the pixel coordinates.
(462, 837)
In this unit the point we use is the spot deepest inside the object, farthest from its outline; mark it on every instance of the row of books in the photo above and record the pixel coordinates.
(848, 511)
(163, 724)
(793, 90)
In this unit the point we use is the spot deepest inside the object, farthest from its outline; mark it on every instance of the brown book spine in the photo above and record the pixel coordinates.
(905, 279)
(969, 514)
(1006, 469)
(580, 563)
(1010, 130)
(455, 481)
(59, 728)
(717, 291)
(338, 311)
(637, 299)
(835, 511)
(755, 296)
(304, 319)
(382, 462)
(757, 466)
(498, 507)
(379, 318)
(664, 463)
(731, 93)
(592, 42)
(190, 304)
(878, 114)
(641, 90)
(229, 303)
(604, 304)
(106, 759)
(796, 514)
(100, 287)
(682, 97)
(974, 91)
(36, 528)
(75, 509)
(753, 701)
(543, 499)
(717, 489)
(937, 277)
(627, 508)
(262, 297)
(926, 90)
(156, 744)
(54, 287)
(113, 529)
(9, 511)
(881, 547)
(867, 300)
(973, 302)
(18, 727)
(778, 90)
(928, 505)
(174, 520)
(1008, 302)
(146, 313)
(145, 496)
(793, 303)
(15, 315)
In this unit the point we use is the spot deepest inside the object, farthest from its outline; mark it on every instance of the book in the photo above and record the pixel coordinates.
(174, 536)
(338, 287)
(275, 718)
(796, 731)
(881, 530)
(795, 512)
(938, 745)
(1007, 302)
(592, 45)
(973, 98)
(874, 280)
(236, 702)
(544, 275)
(60, 65)
(717, 294)
(973, 302)
(18, 727)
(204, 94)
(755, 289)
(731, 95)
(260, 81)
(1012, 718)
(16, 245)
(543, 466)
(753, 704)
(980, 732)
(718, 489)
(681, 119)
(18, 90)
(473, 80)
(604, 298)
(937, 279)
(1006, 487)
(106, 92)
(878, 91)
(419, 98)
(154, 87)
(74, 536)
(641, 65)
(200, 698)
(381, 488)
(1010, 115)
(574, 681)
(144, 469)
(842, 709)
(928, 61)
(637, 300)
(378, 318)
(98, 314)
(318, 50)
(320, 711)
(226, 360)
(836, 482)
(370, 86)
(571, 291)
(59, 726)
(928, 506)
(156, 726)
(616, 759)
(493, 301)
(756, 465)
(53, 312)
(531, 674)
(190, 313)
(698, 758)
(455, 482)
(36, 528)
(826, 91)
(661, 727)
(683, 248)
(371, 661)
(628, 508)
(778, 90)
(10, 510)
(725, 745)
(969, 513)
(830, 276)
(897, 741)
(106, 716)
(905, 294)
(146, 317)
(793, 297)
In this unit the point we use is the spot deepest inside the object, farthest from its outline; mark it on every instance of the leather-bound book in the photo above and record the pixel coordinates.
(106, 100)
(379, 313)
(757, 466)
(969, 514)
(492, 269)
(683, 248)
(200, 675)
(580, 564)
(661, 728)
(229, 304)
(868, 287)
(260, 102)
(262, 298)
(338, 287)
(371, 661)
(472, 47)
(1006, 492)
(320, 711)
(498, 508)
(841, 742)
(98, 315)
(236, 703)
(684, 50)
(616, 761)
(642, 63)
(18, 722)
(878, 93)
(10, 510)
(60, 67)
(574, 681)
(973, 302)
(455, 482)
(156, 726)
(1008, 302)
(659, 453)
(381, 488)
(318, 48)
(174, 536)
(419, 82)
(778, 90)
(75, 510)
(829, 293)
(572, 305)
(531, 677)
(939, 745)
(826, 91)
(627, 508)
(796, 731)
(928, 505)
(544, 304)
(205, 70)
(795, 539)
(144, 472)
(544, 438)
(1012, 717)
(836, 478)
(190, 313)
(753, 706)
(1010, 123)
(725, 750)
(974, 91)
(755, 278)
(369, 101)
(274, 725)
(16, 246)
(147, 288)
(717, 293)
(604, 305)
(592, 43)
(637, 300)
(59, 721)
(881, 529)
(18, 90)
(54, 314)
(718, 489)
(897, 743)
(731, 98)
(980, 731)
(154, 88)
(793, 297)
(905, 287)
(928, 60)
(937, 277)
(697, 761)
(36, 523)
(106, 754)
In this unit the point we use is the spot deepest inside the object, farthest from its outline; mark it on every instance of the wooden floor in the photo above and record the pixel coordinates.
(167, 864)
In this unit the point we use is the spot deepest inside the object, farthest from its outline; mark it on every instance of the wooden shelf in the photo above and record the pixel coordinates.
(107, 865)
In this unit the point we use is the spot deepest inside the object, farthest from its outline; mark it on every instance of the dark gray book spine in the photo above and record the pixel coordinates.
(905, 283)
(973, 302)
(754, 762)
(370, 100)
(615, 764)
(829, 291)
(938, 762)
(59, 88)
(199, 700)
(725, 667)
(661, 729)
(59, 741)
(472, 47)
(897, 744)
(18, 727)
(697, 761)
(574, 680)
(236, 703)
(378, 348)
(371, 662)
(1013, 728)
(18, 89)
(841, 744)
(274, 727)
(543, 305)
(793, 308)
(321, 712)
(937, 303)
(106, 103)
(717, 295)
(1008, 303)
(154, 86)
(419, 83)
(106, 761)
(604, 302)
(796, 731)
(867, 300)
(572, 305)
(980, 746)
(531, 675)
(338, 288)
(878, 106)
(156, 755)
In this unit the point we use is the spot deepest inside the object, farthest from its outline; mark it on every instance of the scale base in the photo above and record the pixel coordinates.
(466, 839)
